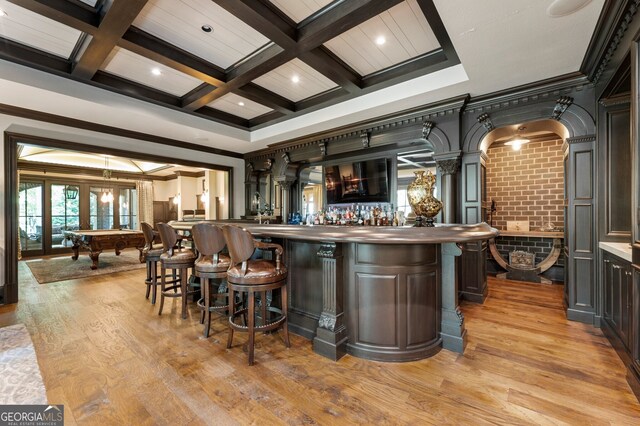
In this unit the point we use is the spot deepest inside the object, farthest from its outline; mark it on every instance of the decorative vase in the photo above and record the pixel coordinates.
(421, 199)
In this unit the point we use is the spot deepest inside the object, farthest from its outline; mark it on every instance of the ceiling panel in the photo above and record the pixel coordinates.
(298, 10)
(237, 105)
(179, 22)
(31, 29)
(310, 83)
(132, 66)
(405, 30)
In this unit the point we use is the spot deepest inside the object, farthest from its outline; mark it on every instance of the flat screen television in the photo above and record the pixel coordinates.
(358, 182)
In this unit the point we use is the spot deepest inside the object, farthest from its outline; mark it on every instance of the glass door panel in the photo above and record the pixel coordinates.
(65, 213)
(100, 208)
(128, 203)
(30, 216)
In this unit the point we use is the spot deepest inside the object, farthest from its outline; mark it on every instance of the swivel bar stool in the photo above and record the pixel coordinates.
(151, 253)
(177, 259)
(211, 265)
(251, 277)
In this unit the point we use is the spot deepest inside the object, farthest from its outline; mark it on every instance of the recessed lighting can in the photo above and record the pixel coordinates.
(3, 13)
(241, 103)
(156, 71)
(207, 28)
(380, 40)
(295, 79)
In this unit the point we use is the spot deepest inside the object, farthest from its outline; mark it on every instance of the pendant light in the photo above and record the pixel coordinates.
(518, 140)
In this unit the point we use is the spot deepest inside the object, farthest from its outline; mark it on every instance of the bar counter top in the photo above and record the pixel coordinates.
(454, 233)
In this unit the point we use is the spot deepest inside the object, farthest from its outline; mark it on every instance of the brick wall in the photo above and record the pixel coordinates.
(526, 184)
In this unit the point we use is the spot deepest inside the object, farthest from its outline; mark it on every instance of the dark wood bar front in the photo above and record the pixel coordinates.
(381, 293)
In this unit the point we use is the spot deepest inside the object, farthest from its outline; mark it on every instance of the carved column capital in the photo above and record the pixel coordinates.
(448, 167)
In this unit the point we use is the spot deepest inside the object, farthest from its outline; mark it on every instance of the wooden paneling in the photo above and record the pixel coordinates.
(376, 302)
(583, 219)
(472, 270)
(617, 196)
(421, 287)
(583, 181)
(298, 10)
(230, 103)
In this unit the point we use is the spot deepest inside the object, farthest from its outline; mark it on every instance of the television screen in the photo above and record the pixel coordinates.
(358, 182)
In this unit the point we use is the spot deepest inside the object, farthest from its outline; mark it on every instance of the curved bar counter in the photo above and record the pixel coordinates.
(381, 293)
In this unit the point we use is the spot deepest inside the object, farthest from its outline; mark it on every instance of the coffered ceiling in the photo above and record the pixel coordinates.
(148, 66)
(274, 60)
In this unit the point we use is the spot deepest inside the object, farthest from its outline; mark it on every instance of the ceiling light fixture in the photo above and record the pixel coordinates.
(561, 8)
(207, 28)
(156, 71)
(380, 40)
(295, 79)
(518, 140)
(241, 103)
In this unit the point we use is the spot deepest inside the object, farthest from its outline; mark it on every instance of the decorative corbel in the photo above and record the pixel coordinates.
(365, 138)
(426, 129)
(562, 104)
(323, 147)
(286, 158)
(268, 163)
(485, 120)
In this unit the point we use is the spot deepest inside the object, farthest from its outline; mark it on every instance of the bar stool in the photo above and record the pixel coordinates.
(177, 259)
(151, 253)
(251, 277)
(211, 265)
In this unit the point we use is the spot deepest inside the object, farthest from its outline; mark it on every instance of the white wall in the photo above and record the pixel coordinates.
(101, 140)
(164, 189)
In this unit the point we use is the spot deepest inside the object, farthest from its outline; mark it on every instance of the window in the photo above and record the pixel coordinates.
(100, 213)
(30, 215)
(65, 213)
(128, 209)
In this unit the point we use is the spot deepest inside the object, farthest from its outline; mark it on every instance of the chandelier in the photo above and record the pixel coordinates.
(107, 194)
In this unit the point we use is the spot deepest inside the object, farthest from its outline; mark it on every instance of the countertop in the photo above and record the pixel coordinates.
(622, 250)
(366, 234)
(542, 234)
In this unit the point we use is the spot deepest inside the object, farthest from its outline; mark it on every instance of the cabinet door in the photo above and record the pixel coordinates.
(616, 296)
(626, 295)
(607, 268)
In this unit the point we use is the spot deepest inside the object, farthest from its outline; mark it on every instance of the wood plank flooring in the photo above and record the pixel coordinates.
(110, 359)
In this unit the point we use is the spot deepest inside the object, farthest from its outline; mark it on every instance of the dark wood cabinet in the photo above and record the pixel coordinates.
(618, 298)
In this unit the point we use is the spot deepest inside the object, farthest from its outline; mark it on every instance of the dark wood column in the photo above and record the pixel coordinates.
(331, 334)
(448, 165)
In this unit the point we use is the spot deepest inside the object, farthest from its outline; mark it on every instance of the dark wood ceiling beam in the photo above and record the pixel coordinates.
(204, 95)
(259, 16)
(326, 63)
(266, 118)
(267, 98)
(425, 64)
(65, 12)
(437, 26)
(115, 22)
(135, 90)
(339, 19)
(151, 47)
(223, 117)
(25, 55)
(322, 99)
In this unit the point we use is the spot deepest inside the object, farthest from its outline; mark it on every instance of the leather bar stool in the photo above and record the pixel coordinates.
(211, 265)
(251, 277)
(151, 253)
(177, 259)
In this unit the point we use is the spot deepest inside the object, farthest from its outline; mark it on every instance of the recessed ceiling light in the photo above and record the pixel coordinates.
(207, 28)
(380, 40)
(156, 71)
(295, 79)
(241, 103)
(3, 13)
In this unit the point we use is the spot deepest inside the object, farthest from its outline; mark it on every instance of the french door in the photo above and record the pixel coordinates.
(50, 207)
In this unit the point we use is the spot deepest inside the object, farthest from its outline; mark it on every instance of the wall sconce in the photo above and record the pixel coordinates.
(221, 198)
(176, 199)
(205, 197)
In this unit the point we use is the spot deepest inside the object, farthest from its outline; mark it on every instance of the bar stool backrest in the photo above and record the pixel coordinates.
(240, 243)
(147, 230)
(208, 238)
(168, 237)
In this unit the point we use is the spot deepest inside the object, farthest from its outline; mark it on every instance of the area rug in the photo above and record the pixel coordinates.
(20, 378)
(64, 268)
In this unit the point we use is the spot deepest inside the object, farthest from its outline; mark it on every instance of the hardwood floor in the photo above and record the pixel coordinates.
(110, 359)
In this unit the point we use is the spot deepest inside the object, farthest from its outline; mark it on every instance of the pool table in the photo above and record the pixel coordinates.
(100, 239)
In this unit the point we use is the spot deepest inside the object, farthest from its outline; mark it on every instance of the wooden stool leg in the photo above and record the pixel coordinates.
(205, 284)
(174, 275)
(285, 324)
(163, 272)
(252, 320)
(232, 310)
(183, 289)
(154, 281)
(263, 302)
(148, 280)
(203, 294)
